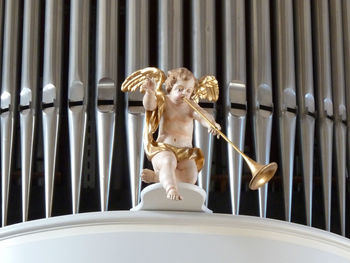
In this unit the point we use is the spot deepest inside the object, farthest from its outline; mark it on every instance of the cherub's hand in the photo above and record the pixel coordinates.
(213, 131)
(148, 86)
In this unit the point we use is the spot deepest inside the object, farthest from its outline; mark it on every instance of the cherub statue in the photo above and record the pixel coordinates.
(172, 155)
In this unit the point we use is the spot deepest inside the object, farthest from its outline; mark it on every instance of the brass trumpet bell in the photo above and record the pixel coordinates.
(261, 173)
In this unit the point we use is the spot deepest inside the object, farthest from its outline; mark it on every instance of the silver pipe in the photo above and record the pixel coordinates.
(286, 103)
(4, 189)
(306, 99)
(170, 34)
(346, 38)
(135, 125)
(338, 84)
(136, 37)
(78, 92)
(1, 31)
(136, 58)
(203, 31)
(106, 91)
(8, 98)
(261, 93)
(324, 98)
(235, 92)
(28, 95)
(51, 100)
(204, 63)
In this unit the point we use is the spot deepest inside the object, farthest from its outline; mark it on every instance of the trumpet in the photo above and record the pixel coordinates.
(261, 173)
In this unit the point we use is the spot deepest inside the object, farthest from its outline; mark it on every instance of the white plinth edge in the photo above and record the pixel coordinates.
(160, 236)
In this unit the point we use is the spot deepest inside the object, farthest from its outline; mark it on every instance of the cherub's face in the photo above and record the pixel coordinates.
(181, 89)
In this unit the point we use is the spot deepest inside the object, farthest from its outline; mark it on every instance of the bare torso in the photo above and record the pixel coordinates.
(176, 125)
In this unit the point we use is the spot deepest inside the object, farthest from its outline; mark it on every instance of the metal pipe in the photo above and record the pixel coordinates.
(29, 95)
(51, 100)
(346, 38)
(78, 92)
(8, 97)
(338, 85)
(170, 34)
(137, 31)
(306, 99)
(1, 33)
(235, 91)
(324, 99)
(204, 63)
(286, 94)
(136, 57)
(261, 87)
(106, 91)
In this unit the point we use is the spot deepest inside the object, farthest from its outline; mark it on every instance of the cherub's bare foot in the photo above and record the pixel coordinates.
(172, 194)
(149, 176)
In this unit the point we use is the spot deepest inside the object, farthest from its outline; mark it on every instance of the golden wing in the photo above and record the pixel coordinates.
(208, 89)
(136, 79)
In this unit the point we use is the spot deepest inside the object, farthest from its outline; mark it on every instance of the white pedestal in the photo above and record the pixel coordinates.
(153, 198)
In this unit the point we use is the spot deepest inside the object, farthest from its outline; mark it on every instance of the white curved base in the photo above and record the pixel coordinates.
(153, 198)
(162, 237)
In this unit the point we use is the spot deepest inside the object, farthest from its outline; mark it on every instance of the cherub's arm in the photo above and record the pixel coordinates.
(149, 99)
(203, 121)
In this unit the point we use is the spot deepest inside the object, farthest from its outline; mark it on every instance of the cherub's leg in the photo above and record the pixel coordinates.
(187, 171)
(149, 176)
(164, 164)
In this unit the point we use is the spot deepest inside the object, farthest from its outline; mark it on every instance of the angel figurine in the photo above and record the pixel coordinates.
(172, 113)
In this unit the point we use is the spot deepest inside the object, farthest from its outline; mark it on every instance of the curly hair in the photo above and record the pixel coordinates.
(179, 73)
